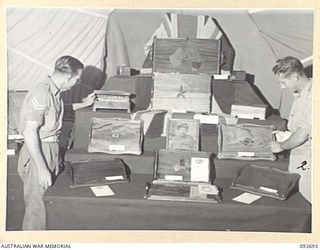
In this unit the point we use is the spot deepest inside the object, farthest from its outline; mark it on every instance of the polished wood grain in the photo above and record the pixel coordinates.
(115, 136)
(191, 56)
(245, 138)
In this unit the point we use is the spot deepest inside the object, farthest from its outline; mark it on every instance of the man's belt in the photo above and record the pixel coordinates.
(53, 138)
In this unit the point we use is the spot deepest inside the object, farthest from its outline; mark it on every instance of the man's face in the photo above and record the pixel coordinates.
(290, 82)
(71, 81)
(182, 131)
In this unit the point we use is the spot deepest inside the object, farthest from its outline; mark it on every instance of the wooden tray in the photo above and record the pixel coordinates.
(116, 136)
(188, 193)
(245, 142)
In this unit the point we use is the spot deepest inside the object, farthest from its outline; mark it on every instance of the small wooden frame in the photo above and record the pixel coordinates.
(183, 134)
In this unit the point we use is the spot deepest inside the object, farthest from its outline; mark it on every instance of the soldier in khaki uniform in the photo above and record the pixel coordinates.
(40, 124)
(291, 75)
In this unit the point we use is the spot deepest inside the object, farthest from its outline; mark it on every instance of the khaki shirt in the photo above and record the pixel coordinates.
(300, 157)
(44, 105)
(301, 117)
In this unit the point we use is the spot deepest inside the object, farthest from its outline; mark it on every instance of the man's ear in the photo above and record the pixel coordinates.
(295, 77)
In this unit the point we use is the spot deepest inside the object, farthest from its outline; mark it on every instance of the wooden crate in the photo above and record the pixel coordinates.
(186, 56)
(182, 91)
(245, 142)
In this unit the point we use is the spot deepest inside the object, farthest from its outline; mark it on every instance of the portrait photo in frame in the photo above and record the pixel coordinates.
(183, 134)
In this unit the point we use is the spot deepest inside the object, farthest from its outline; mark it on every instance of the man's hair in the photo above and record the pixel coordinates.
(287, 66)
(183, 125)
(68, 64)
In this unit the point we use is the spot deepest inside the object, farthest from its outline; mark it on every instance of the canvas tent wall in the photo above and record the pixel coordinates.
(37, 36)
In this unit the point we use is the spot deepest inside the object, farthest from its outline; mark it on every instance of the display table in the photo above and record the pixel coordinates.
(79, 209)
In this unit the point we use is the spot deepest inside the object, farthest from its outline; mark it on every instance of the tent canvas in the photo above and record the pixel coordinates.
(37, 36)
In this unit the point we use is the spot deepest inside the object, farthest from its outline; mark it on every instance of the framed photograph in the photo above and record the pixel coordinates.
(183, 134)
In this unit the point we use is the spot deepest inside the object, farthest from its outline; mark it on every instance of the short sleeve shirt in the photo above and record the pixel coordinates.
(44, 105)
(301, 116)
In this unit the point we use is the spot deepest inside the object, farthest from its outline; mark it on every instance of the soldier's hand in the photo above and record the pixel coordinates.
(89, 99)
(275, 147)
(45, 178)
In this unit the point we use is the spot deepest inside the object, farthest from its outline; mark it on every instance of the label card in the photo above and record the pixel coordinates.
(207, 119)
(117, 147)
(173, 177)
(246, 154)
(199, 169)
(102, 191)
(247, 198)
(112, 178)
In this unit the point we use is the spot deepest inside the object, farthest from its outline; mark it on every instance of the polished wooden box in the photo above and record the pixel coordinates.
(97, 173)
(115, 100)
(249, 112)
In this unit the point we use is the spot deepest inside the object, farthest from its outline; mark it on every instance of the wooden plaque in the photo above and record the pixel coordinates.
(180, 166)
(187, 56)
(245, 141)
(182, 91)
(116, 136)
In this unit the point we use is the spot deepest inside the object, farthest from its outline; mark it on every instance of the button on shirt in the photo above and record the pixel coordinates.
(44, 105)
(301, 115)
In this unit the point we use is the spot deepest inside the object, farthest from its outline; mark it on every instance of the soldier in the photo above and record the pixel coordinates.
(182, 140)
(291, 75)
(40, 124)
